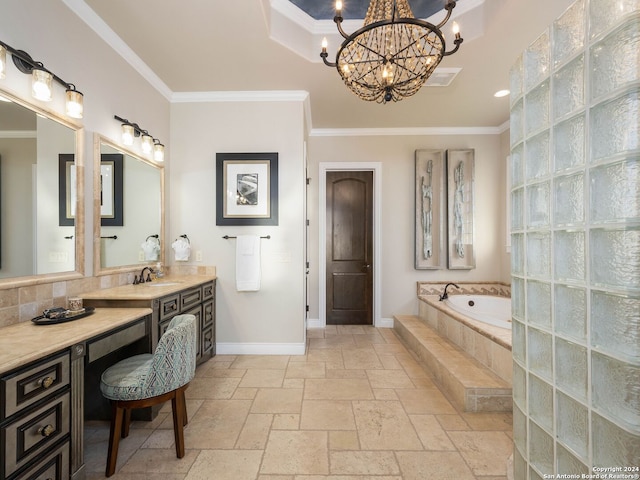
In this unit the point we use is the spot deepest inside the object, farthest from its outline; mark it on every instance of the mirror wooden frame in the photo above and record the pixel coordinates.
(98, 270)
(78, 272)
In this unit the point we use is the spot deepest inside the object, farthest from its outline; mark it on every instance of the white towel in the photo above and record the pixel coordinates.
(248, 263)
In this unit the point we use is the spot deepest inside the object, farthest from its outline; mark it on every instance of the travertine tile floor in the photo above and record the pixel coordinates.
(357, 406)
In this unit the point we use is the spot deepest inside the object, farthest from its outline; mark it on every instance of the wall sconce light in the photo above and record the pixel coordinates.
(148, 145)
(42, 80)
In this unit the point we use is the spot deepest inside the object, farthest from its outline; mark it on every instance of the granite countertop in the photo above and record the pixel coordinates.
(149, 290)
(25, 342)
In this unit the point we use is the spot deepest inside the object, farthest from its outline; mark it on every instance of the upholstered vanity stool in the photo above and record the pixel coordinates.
(148, 379)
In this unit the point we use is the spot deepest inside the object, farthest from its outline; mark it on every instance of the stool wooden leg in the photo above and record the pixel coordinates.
(114, 438)
(178, 408)
(126, 422)
(184, 402)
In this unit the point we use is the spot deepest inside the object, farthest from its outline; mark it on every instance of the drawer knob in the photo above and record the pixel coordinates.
(46, 382)
(47, 430)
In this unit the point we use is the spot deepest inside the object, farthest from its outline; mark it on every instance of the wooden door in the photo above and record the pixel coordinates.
(349, 245)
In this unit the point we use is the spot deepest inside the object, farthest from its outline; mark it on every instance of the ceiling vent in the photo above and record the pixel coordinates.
(442, 77)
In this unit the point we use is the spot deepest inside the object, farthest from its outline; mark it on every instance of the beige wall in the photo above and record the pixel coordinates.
(193, 133)
(396, 153)
(274, 316)
(74, 52)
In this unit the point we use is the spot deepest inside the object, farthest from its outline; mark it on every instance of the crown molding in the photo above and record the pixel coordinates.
(241, 96)
(410, 131)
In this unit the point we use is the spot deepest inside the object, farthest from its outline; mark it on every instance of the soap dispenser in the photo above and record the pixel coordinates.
(159, 271)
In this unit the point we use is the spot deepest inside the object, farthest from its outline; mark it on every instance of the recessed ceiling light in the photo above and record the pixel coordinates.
(501, 93)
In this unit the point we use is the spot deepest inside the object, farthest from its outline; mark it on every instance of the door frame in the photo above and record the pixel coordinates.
(376, 168)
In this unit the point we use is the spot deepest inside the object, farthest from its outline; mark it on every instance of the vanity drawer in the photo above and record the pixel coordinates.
(190, 297)
(53, 466)
(28, 436)
(169, 306)
(208, 342)
(31, 383)
(208, 314)
(208, 291)
(115, 340)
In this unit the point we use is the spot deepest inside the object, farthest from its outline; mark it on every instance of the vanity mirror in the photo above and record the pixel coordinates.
(128, 209)
(35, 245)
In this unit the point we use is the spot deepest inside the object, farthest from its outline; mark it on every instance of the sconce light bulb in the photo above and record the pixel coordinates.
(455, 28)
(41, 85)
(338, 6)
(147, 143)
(324, 44)
(3, 61)
(75, 103)
(158, 152)
(127, 134)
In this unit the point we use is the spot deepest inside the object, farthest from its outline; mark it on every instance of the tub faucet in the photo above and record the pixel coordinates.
(141, 279)
(445, 295)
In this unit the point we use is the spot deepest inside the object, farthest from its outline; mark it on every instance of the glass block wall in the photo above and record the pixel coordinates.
(575, 156)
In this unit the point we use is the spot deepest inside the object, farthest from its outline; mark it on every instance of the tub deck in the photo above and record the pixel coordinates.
(472, 387)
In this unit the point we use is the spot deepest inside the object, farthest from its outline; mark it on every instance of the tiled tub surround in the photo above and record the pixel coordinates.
(489, 345)
(470, 361)
(575, 163)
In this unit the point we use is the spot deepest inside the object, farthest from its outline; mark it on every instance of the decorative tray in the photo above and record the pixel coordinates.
(66, 316)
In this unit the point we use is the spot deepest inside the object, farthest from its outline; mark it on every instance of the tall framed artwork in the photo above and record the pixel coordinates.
(460, 211)
(430, 210)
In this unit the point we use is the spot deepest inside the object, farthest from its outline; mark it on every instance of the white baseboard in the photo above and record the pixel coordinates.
(260, 348)
(385, 323)
(315, 323)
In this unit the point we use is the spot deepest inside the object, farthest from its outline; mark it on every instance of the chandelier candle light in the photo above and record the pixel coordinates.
(393, 54)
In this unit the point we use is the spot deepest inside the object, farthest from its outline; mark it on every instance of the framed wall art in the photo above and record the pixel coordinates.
(246, 189)
(460, 189)
(111, 190)
(66, 189)
(430, 208)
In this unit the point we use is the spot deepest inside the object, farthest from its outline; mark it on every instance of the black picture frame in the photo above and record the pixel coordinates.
(247, 188)
(66, 199)
(113, 190)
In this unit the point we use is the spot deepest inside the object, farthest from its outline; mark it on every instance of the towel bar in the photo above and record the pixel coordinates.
(227, 237)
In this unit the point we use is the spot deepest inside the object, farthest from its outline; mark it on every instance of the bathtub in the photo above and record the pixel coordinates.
(488, 309)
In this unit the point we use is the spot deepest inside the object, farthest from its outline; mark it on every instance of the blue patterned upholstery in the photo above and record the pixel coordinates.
(171, 366)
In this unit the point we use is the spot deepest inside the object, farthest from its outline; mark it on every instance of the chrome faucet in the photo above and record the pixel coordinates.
(444, 295)
(141, 279)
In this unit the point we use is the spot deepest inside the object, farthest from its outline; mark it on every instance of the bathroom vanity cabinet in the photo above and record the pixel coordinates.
(43, 369)
(167, 297)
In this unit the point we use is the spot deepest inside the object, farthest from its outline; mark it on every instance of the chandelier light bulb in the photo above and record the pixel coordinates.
(324, 44)
(338, 6)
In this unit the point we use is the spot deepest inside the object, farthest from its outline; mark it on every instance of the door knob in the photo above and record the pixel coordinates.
(366, 266)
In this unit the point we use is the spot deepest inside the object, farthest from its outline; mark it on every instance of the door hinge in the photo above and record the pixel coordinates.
(308, 223)
(307, 308)
(308, 180)
(307, 264)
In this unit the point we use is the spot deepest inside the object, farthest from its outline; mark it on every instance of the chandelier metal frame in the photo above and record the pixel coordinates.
(393, 54)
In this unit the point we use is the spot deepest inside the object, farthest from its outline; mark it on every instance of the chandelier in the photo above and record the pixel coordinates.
(393, 54)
